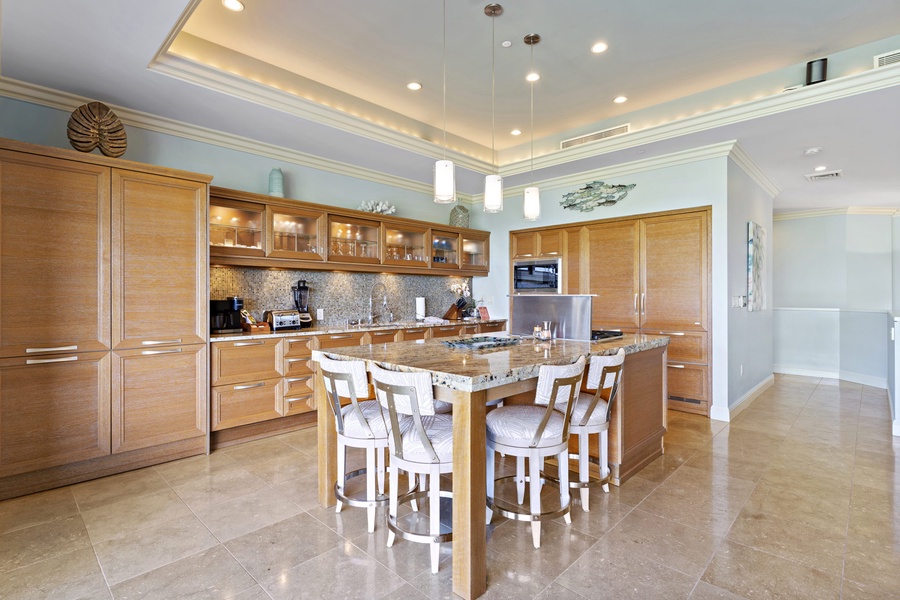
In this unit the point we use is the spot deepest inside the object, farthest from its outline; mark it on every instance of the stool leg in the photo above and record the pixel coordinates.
(341, 470)
(489, 470)
(394, 500)
(564, 495)
(380, 457)
(604, 458)
(534, 490)
(434, 506)
(584, 469)
(520, 479)
(370, 486)
(412, 477)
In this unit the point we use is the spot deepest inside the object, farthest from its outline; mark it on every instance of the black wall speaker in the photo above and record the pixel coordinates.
(816, 71)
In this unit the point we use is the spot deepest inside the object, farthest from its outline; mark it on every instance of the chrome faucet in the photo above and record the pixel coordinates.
(384, 304)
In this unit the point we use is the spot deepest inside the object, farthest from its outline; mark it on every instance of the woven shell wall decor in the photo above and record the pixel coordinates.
(95, 125)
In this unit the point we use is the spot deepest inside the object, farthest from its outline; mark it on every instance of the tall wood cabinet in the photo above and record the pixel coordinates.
(103, 316)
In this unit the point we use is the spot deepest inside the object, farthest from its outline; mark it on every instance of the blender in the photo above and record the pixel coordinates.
(301, 301)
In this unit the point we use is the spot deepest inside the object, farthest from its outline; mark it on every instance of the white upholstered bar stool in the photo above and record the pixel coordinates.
(591, 416)
(535, 432)
(421, 444)
(359, 424)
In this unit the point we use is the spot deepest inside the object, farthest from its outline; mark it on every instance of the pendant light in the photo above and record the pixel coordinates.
(493, 183)
(444, 177)
(532, 201)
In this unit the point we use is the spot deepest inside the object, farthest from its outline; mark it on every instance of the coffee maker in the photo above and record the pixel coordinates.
(225, 315)
(301, 301)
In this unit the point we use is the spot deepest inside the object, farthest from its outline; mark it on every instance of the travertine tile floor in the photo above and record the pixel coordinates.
(799, 497)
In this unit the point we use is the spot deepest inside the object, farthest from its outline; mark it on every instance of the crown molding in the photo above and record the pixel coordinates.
(749, 166)
(831, 212)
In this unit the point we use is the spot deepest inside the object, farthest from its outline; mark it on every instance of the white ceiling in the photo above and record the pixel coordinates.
(329, 79)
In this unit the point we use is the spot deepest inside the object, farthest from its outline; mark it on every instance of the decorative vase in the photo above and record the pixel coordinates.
(459, 216)
(276, 183)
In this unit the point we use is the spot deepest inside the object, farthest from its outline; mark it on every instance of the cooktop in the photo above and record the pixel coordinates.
(603, 334)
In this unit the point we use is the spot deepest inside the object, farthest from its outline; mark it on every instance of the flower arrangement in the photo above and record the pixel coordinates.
(382, 208)
(461, 289)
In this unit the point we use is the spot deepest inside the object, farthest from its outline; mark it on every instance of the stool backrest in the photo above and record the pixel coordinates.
(345, 379)
(405, 394)
(557, 385)
(604, 375)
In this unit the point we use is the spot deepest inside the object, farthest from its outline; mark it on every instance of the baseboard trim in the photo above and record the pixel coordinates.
(878, 382)
(786, 370)
(869, 380)
(748, 398)
(896, 428)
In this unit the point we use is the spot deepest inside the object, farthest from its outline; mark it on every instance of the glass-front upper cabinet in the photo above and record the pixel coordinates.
(405, 245)
(236, 228)
(475, 251)
(353, 240)
(444, 249)
(296, 233)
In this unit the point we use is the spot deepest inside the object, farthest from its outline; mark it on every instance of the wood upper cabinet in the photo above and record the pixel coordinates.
(406, 245)
(614, 274)
(476, 252)
(236, 228)
(159, 273)
(576, 267)
(674, 250)
(445, 247)
(295, 233)
(158, 396)
(550, 243)
(54, 255)
(532, 244)
(523, 245)
(54, 410)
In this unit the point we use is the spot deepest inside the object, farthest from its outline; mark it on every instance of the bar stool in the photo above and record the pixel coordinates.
(421, 444)
(591, 415)
(535, 432)
(359, 424)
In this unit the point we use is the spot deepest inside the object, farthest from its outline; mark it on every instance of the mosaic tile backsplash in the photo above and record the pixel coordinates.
(342, 295)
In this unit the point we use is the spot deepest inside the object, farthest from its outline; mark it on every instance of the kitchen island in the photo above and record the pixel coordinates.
(469, 379)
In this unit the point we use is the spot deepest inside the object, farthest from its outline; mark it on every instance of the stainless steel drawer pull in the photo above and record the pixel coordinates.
(643, 307)
(446, 328)
(41, 361)
(297, 379)
(249, 386)
(301, 399)
(339, 337)
(149, 352)
(413, 331)
(159, 342)
(671, 333)
(256, 343)
(293, 360)
(57, 349)
(676, 366)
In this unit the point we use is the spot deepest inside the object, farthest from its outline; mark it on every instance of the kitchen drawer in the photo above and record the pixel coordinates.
(245, 403)
(298, 386)
(687, 346)
(468, 330)
(414, 333)
(688, 383)
(383, 336)
(445, 331)
(491, 327)
(301, 346)
(296, 366)
(338, 340)
(242, 361)
(296, 405)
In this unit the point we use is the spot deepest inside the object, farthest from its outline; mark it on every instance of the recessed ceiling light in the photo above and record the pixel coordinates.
(599, 47)
(414, 86)
(812, 151)
(515, 132)
(532, 77)
(820, 168)
(620, 100)
(235, 5)
(506, 43)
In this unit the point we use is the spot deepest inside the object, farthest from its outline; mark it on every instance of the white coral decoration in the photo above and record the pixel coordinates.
(461, 289)
(377, 207)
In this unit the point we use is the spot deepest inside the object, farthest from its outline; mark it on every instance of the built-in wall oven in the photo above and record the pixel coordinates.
(537, 276)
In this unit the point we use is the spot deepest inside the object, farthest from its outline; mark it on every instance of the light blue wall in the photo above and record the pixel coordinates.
(895, 240)
(750, 359)
(810, 262)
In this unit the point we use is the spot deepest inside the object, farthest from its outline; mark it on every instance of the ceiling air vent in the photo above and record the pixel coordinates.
(824, 175)
(597, 135)
(890, 58)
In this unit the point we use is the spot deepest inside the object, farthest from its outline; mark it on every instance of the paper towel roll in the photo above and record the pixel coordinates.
(420, 309)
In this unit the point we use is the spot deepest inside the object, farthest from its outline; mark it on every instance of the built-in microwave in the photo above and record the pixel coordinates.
(537, 276)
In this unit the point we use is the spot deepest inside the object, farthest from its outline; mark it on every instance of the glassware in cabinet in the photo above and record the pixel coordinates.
(405, 245)
(235, 228)
(444, 250)
(353, 240)
(295, 233)
(475, 256)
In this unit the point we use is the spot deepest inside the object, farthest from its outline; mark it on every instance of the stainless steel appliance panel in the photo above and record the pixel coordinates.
(569, 314)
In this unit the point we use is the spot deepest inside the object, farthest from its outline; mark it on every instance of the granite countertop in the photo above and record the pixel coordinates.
(475, 370)
(325, 330)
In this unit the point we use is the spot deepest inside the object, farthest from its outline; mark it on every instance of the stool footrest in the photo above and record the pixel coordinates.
(517, 512)
(593, 480)
(357, 500)
(412, 536)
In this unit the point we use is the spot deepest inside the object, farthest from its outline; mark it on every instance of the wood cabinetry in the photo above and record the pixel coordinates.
(97, 379)
(533, 244)
(261, 231)
(246, 378)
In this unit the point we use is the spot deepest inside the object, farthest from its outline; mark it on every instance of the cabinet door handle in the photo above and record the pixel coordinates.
(41, 361)
(149, 352)
(297, 379)
(635, 303)
(446, 328)
(675, 366)
(241, 344)
(249, 386)
(293, 360)
(671, 333)
(340, 337)
(300, 399)
(57, 349)
(159, 342)
(412, 331)
(643, 305)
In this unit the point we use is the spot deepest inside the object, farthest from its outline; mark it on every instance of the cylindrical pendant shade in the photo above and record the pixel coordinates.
(444, 182)
(532, 207)
(493, 193)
